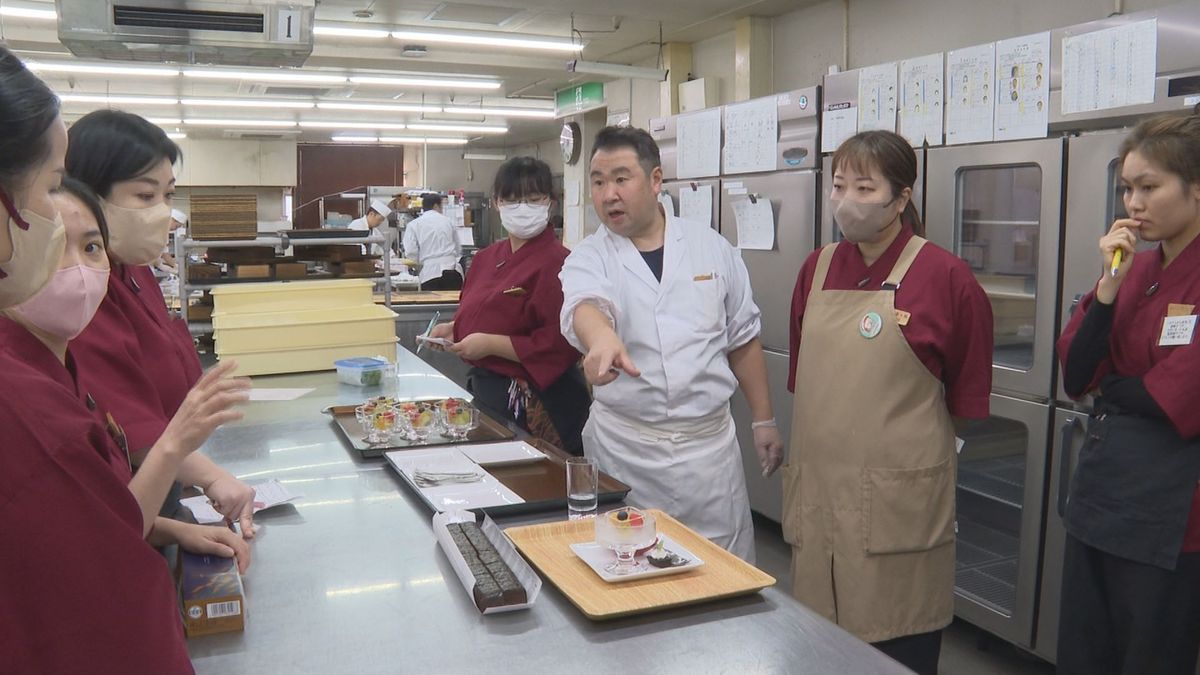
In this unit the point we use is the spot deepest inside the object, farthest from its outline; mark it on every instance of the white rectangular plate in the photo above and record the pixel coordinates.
(500, 454)
(598, 558)
(487, 492)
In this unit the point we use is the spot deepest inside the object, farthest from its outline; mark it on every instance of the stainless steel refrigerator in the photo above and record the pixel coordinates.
(998, 207)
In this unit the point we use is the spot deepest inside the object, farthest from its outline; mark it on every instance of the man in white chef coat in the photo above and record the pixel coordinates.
(376, 216)
(431, 240)
(662, 309)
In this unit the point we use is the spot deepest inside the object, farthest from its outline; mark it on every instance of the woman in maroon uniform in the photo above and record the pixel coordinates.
(82, 590)
(141, 361)
(891, 340)
(506, 325)
(1131, 575)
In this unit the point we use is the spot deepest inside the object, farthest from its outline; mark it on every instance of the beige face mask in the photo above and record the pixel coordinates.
(37, 247)
(137, 236)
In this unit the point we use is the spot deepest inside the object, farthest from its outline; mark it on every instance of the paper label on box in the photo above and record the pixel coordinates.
(218, 610)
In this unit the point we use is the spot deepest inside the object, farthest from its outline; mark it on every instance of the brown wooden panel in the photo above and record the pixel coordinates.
(224, 217)
(334, 169)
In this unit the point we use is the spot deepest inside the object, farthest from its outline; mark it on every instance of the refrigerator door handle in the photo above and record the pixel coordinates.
(1064, 472)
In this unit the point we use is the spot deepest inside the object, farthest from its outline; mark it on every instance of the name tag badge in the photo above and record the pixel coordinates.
(902, 317)
(705, 277)
(1177, 331)
(516, 291)
(1174, 309)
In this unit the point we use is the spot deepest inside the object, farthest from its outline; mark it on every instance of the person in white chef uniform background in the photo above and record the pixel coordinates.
(376, 216)
(662, 309)
(431, 240)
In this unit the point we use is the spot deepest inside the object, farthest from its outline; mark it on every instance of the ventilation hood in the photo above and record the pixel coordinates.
(227, 32)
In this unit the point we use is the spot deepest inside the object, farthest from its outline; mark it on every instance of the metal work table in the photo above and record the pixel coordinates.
(351, 580)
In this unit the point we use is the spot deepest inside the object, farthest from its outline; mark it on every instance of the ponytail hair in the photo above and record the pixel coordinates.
(893, 156)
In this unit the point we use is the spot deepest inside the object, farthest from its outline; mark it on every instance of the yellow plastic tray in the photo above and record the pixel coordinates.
(303, 360)
(302, 329)
(290, 295)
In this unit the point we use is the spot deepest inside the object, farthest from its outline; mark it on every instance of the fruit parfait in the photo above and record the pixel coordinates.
(458, 417)
(625, 531)
(421, 421)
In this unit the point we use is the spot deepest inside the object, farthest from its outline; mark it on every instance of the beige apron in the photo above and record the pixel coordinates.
(869, 486)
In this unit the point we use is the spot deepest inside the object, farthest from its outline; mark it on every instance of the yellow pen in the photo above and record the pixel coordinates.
(1116, 262)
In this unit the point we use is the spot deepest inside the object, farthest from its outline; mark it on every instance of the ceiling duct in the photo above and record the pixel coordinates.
(268, 33)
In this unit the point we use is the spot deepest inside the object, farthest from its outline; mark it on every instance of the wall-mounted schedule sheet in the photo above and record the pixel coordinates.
(1109, 68)
(695, 203)
(877, 97)
(699, 144)
(1023, 87)
(922, 83)
(970, 94)
(751, 135)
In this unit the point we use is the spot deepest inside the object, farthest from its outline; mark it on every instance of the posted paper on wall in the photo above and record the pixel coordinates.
(571, 194)
(751, 136)
(699, 144)
(1109, 68)
(839, 121)
(877, 97)
(921, 87)
(1023, 86)
(755, 224)
(695, 203)
(970, 94)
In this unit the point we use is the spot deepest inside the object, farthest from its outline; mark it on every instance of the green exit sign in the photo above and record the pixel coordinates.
(580, 98)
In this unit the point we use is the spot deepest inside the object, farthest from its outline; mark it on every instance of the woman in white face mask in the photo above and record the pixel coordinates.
(506, 325)
(143, 362)
(891, 340)
(65, 482)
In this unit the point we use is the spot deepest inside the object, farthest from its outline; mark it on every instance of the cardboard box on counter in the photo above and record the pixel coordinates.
(291, 270)
(252, 271)
(211, 596)
(356, 268)
(197, 271)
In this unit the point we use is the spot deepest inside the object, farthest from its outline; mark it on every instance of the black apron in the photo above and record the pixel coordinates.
(1131, 492)
(566, 401)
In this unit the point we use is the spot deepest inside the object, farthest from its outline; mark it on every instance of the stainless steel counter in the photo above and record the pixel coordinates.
(351, 580)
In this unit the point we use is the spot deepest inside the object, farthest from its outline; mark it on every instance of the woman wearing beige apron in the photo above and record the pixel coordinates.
(891, 339)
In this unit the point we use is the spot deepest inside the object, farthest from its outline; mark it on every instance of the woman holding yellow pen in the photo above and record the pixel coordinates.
(1131, 574)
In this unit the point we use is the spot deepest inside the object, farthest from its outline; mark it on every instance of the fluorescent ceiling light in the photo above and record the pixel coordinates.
(164, 120)
(176, 135)
(117, 100)
(318, 124)
(500, 112)
(485, 156)
(440, 82)
(246, 103)
(616, 70)
(355, 139)
(419, 140)
(264, 76)
(28, 13)
(489, 39)
(470, 128)
(341, 31)
(89, 69)
(383, 107)
(239, 123)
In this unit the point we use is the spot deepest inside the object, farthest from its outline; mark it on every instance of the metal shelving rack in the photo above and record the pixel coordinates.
(280, 242)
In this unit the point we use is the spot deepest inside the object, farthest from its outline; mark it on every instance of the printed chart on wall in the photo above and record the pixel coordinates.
(877, 97)
(751, 136)
(699, 144)
(969, 94)
(696, 202)
(755, 223)
(1109, 68)
(1023, 83)
(921, 87)
(839, 121)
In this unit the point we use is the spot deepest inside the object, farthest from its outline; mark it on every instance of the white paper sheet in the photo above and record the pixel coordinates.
(572, 194)
(572, 230)
(755, 224)
(266, 495)
(1023, 83)
(269, 394)
(699, 144)
(1109, 68)
(922, 83)
(877, 97)
(970, 94)
(751, 136)
(839, 121)
(466, 236)
(664, 198)
(696, 204)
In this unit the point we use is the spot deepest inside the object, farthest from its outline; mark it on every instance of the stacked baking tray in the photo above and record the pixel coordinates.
(299, 326)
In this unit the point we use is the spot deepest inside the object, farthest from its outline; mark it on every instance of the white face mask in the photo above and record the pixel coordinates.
(137, 236)
(524, 221)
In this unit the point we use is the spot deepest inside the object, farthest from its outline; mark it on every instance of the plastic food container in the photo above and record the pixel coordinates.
(362, 371)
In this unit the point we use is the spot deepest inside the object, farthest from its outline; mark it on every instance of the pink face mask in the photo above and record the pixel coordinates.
(66, 305)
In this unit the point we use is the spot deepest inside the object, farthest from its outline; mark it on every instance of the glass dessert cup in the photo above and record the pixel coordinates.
(458, 420)
(625, 531)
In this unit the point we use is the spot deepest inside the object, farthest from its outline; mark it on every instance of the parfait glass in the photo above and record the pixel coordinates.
(625, 531)
(459, 422)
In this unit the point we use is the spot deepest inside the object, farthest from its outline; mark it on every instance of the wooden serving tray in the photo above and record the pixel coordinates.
(489, 430)
(724, 575)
